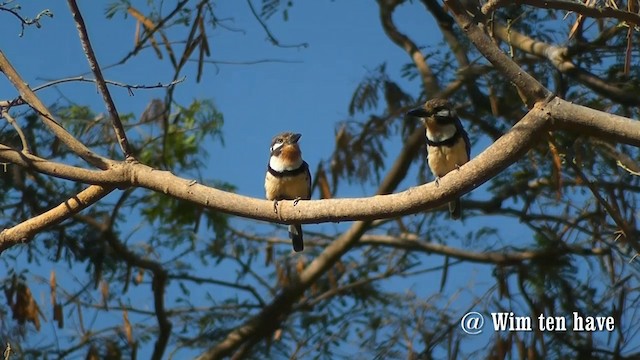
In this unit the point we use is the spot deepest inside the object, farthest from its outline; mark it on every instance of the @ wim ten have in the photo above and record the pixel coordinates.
(507, 321)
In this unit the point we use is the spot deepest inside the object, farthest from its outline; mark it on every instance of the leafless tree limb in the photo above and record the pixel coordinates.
(30, 98)
(26, 21)
(5, 114)
(270, 36)
(597, 12)
(121, 135)
(24, 232)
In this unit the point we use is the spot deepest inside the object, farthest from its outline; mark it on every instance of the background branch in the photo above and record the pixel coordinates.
(102, 86)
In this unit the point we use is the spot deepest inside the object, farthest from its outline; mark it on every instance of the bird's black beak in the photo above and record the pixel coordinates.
(419, 112)
(295, 138)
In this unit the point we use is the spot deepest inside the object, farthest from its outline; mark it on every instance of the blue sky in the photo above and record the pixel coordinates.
(309, 93)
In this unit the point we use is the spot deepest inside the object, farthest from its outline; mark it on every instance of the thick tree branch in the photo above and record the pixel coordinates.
(25, 231)
(598, 12)
(587, 121)
(27, 95)
(557, 114)
(429, 80)
(529, 87)
(113, 176)
(121, 135)
(559, 57)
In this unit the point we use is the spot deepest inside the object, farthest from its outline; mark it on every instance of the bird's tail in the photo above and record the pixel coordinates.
(295, 233)
(455, 210)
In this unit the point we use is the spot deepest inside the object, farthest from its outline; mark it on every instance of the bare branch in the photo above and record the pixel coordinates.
(102, 86)
(113, 176)
(413, 243)
(5, 114)
(429, 80)
(30, 98)
(598, 12)
(110, 82)
(506, 150)
(559, 57)
(529, 87)
(24, 232)
(26, 21)
(270, 36)
(201, 280)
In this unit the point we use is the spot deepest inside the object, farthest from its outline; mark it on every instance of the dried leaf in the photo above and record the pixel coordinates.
(25, 307)
(149, 25)
(322, 182)
(333, 282)
(128, 331)
(139, 277)
(557, 168)
(577, 26)
(93, 353)
(268, 258)
(52, 285)
(104, 291)
(300, 264)
(277, 335)
(282, 276)
(57, 315)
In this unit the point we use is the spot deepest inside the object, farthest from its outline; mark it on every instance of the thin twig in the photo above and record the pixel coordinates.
(18, 101)
(203, 280)
(270, 36)
(26, 21)
(5, 114)
(628, 231)
(248, 62)
(102, 86)
(110, 82)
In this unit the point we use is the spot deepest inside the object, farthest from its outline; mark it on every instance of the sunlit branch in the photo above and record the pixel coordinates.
(30, 98)
(559, 58)
(429, 80)
(59, 170)
(598, 12)
(102, 86)
(25, 231)
(528, 87)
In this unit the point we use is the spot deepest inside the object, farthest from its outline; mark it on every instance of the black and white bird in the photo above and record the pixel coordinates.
(448, 145)
(288, 178)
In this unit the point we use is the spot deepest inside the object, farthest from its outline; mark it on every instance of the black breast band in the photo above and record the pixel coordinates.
(448, 142)
(302, 168)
